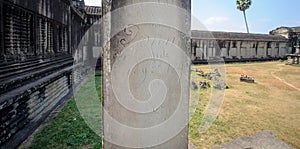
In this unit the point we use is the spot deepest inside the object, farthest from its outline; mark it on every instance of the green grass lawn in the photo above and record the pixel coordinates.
(68, 129)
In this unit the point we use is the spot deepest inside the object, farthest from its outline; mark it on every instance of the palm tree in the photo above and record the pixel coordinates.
(243, 5)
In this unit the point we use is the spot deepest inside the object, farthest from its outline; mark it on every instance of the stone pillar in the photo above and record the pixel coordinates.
(1, 30)
(194, 48)
(238, 49)
(273, 45)
(205, 49)
(146, 75)
(69, 36)
(298, 50)
(266, 50)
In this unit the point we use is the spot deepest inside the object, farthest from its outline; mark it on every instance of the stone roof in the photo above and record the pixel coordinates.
(196, 34)
(281, 29)
(93, 10)
(296, 29)
(290, 29)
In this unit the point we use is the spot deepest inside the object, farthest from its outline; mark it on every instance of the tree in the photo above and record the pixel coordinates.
(243, 5)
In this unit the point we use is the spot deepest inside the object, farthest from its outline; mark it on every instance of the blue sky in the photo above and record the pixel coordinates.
(222, 15)
(93, 2)
(262, 16)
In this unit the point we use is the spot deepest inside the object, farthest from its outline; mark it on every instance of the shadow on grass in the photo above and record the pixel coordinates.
(68, 129)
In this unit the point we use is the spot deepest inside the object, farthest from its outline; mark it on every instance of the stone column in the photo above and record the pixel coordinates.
(205, 49)
(238, 49)
(266, 50)
(70, 46)
(146, 81)
(1, 31)
(298, 50)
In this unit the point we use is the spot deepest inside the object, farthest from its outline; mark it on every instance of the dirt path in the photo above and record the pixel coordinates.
(282, 80)
(265, 139)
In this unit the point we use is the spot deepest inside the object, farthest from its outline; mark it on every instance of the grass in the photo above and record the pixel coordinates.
(268, 104)
(68, 129)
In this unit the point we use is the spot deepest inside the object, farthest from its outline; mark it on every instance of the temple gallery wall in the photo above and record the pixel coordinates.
(44, 48)
(237, 47)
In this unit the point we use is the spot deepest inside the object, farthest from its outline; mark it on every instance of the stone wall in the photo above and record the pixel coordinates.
(232, 49)
(39, 43)
(233, 46)
(29, 29)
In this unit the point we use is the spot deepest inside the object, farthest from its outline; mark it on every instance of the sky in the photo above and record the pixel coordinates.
(222, 15)
(92, 2)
